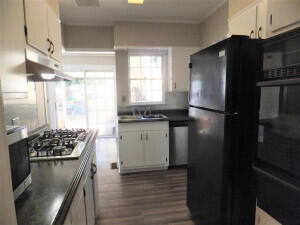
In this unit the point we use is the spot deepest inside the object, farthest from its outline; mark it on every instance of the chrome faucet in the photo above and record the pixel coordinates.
(135, 111)
(148, 109)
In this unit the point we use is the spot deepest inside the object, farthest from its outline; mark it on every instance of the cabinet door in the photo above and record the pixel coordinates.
(244, 23)
(283, 13)
(156, 147)
(79, 215)
(55, 35)
(131, 152)
(37, 25)
(262, 218)
(180, 67)
(261, 19)
(89, 200)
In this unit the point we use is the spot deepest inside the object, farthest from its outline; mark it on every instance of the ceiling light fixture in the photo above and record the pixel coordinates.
(136, 1)
(47, 76)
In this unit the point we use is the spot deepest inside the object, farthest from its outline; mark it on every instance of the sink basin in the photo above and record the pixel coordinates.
(154, 116)
(133, 118)
(130, 117)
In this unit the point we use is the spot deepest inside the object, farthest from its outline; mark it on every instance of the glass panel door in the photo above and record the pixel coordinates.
(89, 101)
(101, 102)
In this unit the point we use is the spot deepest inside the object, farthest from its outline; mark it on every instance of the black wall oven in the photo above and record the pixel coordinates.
(277, 164)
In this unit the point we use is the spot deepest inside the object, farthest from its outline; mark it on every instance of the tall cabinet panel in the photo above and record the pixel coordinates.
(12, 45)
(37, 24)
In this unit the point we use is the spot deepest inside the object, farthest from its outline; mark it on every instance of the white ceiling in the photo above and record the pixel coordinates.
(189, 11)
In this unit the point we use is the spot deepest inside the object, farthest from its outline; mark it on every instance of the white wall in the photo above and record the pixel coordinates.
(7, 208)
(88, 62)
(87, 37)
(155, 34)
(122, 77)
(237, 5)
(215, 27)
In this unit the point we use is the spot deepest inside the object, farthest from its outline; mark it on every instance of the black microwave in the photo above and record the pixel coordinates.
(17, 139)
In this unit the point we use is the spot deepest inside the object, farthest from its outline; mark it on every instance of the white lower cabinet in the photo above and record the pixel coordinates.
(83, 207)
(143, 146)
(79, 214)
(131, 152)
(156, 148)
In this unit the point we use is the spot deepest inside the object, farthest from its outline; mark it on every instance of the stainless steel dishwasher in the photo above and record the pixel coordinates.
(178, 143)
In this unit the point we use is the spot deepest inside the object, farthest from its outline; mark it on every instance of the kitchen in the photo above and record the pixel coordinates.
(127, 79)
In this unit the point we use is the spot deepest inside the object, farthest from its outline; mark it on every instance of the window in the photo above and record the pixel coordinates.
(146, 79)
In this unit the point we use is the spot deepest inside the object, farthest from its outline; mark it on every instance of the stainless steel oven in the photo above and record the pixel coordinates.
(277, 164)
(17, 139)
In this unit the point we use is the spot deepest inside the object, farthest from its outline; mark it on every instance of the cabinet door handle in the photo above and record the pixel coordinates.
(141, 137)
(121, 137)
(52, 48)
(94, 169)
(175, 85)
(271, 19)
(49, 48)
(166, 135)
(258, 32)
(251, 33)
(147, 137)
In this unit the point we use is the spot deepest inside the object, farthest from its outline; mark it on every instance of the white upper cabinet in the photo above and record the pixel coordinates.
(179, 73)
(261, 19)
(283, 15)
(244, 23)
(37, 24)
(266, 18)
(55, 35)
(43, 27)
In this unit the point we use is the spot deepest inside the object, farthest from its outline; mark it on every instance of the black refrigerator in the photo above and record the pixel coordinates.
(223, 115)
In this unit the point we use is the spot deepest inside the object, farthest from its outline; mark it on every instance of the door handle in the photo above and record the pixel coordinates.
(141, 137)
(52, 48)
(258, 32)
(49, 48)
(93, 169)
(252, 32)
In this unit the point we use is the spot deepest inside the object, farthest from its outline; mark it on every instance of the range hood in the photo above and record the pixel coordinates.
(41, 68)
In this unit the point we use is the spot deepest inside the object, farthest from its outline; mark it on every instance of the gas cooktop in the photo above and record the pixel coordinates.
(58, 144)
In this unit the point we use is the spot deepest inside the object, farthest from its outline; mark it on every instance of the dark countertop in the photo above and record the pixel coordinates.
(180, 115)
(53, 187)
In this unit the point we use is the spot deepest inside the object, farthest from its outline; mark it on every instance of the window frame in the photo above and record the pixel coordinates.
(164, 55)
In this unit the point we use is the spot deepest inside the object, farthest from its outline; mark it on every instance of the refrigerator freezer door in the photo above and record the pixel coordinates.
(207, 196)
(208, 77)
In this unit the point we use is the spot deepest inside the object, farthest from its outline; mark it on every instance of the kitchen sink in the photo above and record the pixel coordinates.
(129, 118)
(154, 116)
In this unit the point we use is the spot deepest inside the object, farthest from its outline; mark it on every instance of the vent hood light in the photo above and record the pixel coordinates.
(48, 76)
(135, 1)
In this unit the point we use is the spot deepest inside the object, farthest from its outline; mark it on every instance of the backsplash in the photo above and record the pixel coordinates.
(26, 109)
(174, 100)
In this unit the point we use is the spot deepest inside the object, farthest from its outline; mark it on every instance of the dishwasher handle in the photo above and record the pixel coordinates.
(178, 123)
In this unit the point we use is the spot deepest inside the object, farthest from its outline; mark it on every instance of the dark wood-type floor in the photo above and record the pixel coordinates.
(147, 198)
